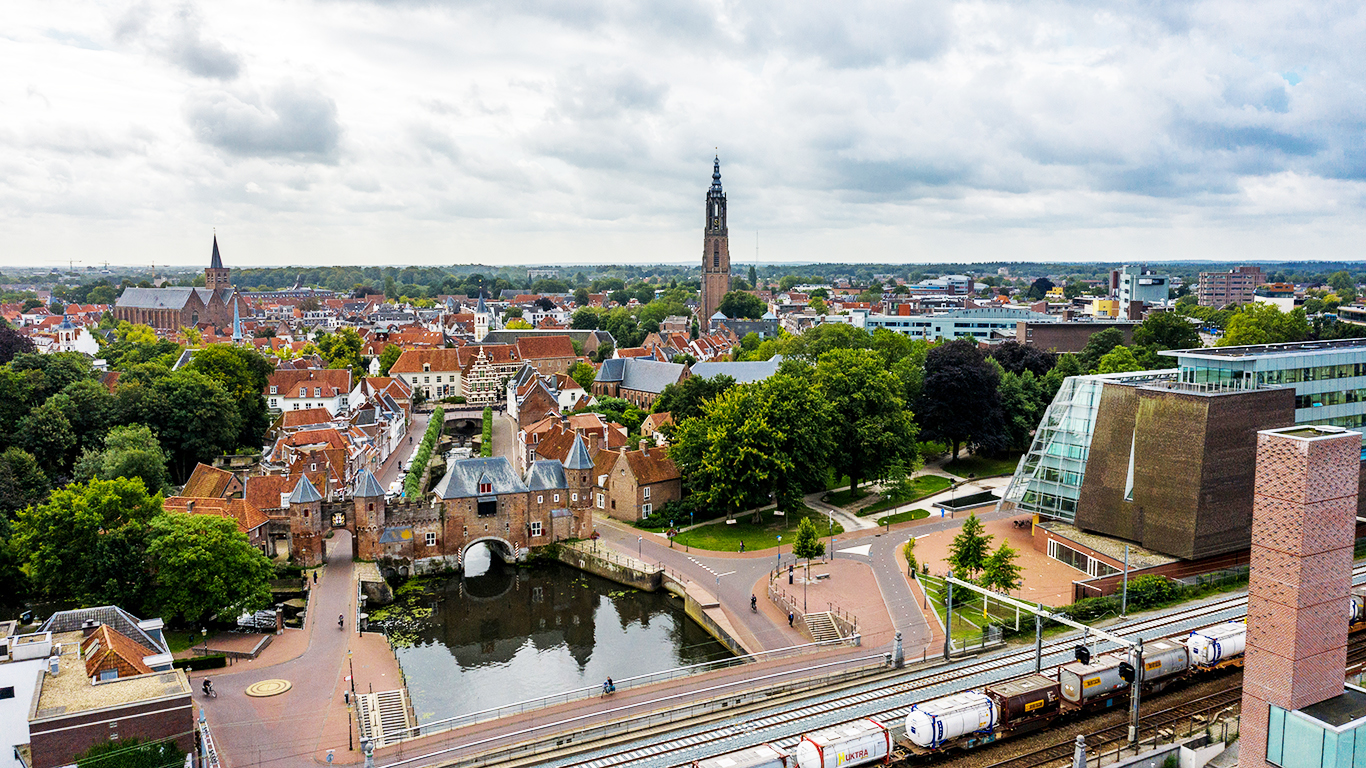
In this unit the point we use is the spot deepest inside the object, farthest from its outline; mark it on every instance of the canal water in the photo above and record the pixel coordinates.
(504, 634)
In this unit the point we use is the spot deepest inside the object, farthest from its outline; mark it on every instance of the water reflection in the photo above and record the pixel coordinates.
(511, 634)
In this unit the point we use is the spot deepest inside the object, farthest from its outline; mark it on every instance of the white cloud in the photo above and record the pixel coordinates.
(583, 129)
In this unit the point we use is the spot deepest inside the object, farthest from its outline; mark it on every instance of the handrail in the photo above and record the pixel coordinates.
(635, 681)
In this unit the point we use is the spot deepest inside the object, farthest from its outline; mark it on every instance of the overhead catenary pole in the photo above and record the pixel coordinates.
(1134, 689)
(1124, 598)
(948, 616)
(1038, 641)
(1060, 618)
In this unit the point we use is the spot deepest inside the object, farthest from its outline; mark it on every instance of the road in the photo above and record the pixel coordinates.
(391, 471)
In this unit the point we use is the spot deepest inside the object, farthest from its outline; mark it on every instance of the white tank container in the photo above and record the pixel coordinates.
(1084, 682)
(762, 756)
(932, 723)
(1358, 609)
(1221, 642)
(857, 742)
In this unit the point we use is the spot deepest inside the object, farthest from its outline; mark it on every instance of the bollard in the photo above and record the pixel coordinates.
(899, 654)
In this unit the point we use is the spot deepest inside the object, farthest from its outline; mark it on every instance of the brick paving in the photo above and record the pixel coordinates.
(1046, 580)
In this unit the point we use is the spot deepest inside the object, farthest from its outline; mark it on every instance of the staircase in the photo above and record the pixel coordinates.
(821, 627)
(385, 717)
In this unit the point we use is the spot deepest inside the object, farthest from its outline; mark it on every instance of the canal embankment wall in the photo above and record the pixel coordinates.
(699, 604)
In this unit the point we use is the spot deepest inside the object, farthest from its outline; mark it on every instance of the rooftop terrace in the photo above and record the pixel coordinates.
(1264, 350)
(70, 691)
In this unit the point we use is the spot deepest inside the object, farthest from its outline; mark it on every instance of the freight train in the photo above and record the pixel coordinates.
(1013, 707)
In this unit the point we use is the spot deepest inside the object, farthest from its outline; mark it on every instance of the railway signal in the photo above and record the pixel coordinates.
(1126, 671)
(1083, 654)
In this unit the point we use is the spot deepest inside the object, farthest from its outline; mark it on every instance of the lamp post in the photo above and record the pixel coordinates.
(204, 633)
(352, 666)
(780, 550)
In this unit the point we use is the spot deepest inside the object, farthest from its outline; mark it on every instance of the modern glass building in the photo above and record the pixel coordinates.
(1330, 734)
(1048, 478)
(1329, 379)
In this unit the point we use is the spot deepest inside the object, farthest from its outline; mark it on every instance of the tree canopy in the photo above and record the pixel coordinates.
(1264, 324)
(870, 423)
(204, 567)
(961, 402)
(737, 304)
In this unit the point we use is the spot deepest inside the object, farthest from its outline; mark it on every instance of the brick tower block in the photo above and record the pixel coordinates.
(1303, 524)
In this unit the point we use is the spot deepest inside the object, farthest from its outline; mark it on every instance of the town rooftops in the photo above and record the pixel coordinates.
(467, 475)
(651, 466)
(542, 347)
(207, 482)
(304, 492)
(367, 485)
(240, 511)
(649, 375)
(161, 298)
(145, 632)
(105, 642)
(578, 455)
(545, 475)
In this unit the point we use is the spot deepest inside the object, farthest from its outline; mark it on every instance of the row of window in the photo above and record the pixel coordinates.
(1317, 373)
(1341, 397)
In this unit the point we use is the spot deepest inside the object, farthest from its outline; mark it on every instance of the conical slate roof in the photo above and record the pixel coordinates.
(304, 492)
(578, 455)
(367, 486)
(217, 261)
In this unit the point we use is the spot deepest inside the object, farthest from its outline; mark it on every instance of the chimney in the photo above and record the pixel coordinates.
(88, 627)
(52, 665)
(189, 506)
(644, 447)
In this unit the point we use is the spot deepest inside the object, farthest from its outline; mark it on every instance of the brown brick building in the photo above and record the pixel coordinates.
(715, 249)
(1147, 436)
(1068, 336)
(169, 309)
(638, 380)
(630, 485)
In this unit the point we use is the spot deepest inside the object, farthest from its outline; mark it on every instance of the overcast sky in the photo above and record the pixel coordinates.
(511, 131)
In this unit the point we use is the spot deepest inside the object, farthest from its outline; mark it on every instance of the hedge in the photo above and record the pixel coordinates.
(486, 445)
(195, 663)
(424, 453)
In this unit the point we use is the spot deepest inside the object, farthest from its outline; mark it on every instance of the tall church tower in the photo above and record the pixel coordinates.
(715, 250)
(216, 275)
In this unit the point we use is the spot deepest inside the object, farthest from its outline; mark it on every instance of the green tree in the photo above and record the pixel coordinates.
(807, 544)
(1000, 572)
(1098, 346)
(817, 305)
(1119, 360)
(1344, 285)
(342, 350)
(13, 343)
(22, 481)
(870, 423)
(1264, 324)
(737, 304)
(205, 567)
(753, 276)
(91, 409)
(195, 418)
(961, 401)
(816, 341)
(132, 753)
(1039, 289)
(1166, 330)
(47, 434)
(388, 357)
(584, 374)
(103, 526)
(1022, 405)
(685, 399)
(969, 549)
(129, 451)
(244, 373)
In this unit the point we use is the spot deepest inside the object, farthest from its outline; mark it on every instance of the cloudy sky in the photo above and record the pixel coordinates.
(514, 131)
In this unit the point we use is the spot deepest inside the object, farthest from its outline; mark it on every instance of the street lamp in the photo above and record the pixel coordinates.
(204, 633)
(780, 550)
(352, 665)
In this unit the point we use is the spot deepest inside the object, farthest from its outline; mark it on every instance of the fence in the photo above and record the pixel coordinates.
(846, 623)
(616, 721)
(623, 684)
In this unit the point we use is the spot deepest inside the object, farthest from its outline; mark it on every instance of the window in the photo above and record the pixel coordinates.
(646, 490)
(646, 509)
(7, 692)
(540, 499)
(272, 402)
(274, 390)
(303, 391)
(296, 406)
(317, 391)
(313, 467)
(535, 528)
(431, 539)
(575, 496)
(557, 498)
(109, 674)
(438, 379)
(599, 501)
(486, 487)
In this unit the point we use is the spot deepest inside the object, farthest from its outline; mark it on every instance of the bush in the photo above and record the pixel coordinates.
(1151, 590)
(195, 663)
(424, 453)
(486, 444)
(1092, 608)
(453, 400)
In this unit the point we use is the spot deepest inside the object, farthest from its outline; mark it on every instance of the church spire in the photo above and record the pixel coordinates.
(217, 261)
(716, 174)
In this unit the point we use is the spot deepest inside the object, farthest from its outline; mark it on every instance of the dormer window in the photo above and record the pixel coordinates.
(303, 391)
(317, 391)
(274, 390)
(485, 487)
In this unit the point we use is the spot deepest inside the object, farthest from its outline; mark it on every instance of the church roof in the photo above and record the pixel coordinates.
(481, 309)
(578, 455)
(613, 369)
(716, 175)
(216, 262)
(367, 486)
(304, 492)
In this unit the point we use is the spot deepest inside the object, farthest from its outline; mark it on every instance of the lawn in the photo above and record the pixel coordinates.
(983, 466)
(180, 641)
(726, 538)
(901, 517)
(967, 613)
(844, 497)
(925, 485)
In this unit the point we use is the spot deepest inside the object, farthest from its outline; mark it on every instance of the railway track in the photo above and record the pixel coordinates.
(777, 727)
(722, 736)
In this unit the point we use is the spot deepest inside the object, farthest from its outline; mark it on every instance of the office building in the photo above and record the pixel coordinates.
(1236, 286)
(1138, 285)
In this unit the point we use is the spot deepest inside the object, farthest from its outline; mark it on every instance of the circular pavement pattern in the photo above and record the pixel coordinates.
(268, 688)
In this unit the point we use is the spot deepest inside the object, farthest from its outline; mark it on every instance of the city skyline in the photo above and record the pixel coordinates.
(427, 133)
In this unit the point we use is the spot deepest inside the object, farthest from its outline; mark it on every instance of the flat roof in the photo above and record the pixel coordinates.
(1138, 556)
(71, 691)
(1265, 350)
(1346, 707)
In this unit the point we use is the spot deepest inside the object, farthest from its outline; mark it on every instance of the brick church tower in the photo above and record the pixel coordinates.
(216, 275)
(715, 250)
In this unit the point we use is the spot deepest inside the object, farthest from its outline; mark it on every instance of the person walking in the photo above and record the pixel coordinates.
(791, 617)
(315, 577)
(742, 546)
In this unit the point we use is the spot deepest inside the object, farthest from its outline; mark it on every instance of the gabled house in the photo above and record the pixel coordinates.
(631, 485)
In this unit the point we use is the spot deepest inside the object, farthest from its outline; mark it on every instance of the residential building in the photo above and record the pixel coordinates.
(549, 354)
(1068, 335)
(1234, 287)
(109, 677)
(477, 372)
(589, 340)
(251, 522)
(631, 485)
(295, 390)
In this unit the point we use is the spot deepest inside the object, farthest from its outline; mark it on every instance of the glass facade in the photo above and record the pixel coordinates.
(1048, 479)
(1299, 739)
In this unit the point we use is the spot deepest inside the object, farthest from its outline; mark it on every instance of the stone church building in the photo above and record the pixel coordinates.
(170, 309)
